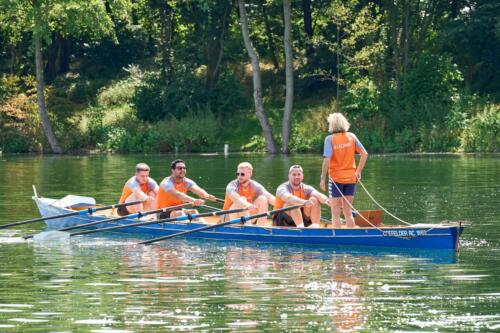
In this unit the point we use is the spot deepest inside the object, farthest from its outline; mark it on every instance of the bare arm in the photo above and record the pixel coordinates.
(201, 193)
(324, 171)
(184, 197)
(139, 194)
(321, 197)
(242, 201)
(270, 198)
(361, 164)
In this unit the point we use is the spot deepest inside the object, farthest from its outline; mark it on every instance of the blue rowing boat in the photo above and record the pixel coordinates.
(425, 236)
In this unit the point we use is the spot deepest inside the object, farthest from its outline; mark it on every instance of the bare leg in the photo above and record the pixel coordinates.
(336, 204)
(150, 204)
(347, 210)
(235, 205)
(133, 208)
(183, 212)
(262, 206)
(314, 212)
(296, 215)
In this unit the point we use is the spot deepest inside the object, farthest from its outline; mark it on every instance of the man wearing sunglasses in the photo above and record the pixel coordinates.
(244, 192)
(295, 192)
(173, 191)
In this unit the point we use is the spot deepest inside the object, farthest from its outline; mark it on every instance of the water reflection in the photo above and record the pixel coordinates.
(108, 283)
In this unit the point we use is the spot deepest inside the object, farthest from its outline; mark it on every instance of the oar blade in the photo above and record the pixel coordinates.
(51, 236)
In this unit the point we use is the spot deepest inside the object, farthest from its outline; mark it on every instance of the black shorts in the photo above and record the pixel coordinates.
(284, 220)
(165, 215)
(122, 211)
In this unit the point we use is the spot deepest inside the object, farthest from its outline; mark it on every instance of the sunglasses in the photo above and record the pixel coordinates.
(180, 168)
(242, 174)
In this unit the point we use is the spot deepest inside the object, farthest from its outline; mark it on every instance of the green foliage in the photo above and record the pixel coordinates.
(20, 126)
(256, 143)
(122, 91)
(191, 133)
(482, 132)
(473, 38)
(186, 94)
(426, 96)
(361, 98)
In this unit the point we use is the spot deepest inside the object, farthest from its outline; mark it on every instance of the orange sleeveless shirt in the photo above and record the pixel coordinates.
(249, 193)
(342, 163)
(166, 199)
(279, 203)
(127, 191)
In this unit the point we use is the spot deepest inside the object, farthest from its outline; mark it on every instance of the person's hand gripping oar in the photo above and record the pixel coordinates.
(242, 219)
(171, 219)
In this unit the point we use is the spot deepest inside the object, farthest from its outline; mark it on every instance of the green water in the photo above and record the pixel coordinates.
(111, 284)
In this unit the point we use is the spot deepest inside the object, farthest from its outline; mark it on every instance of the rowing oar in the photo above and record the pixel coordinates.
(171, 219)
(242, 219)
(87, 211)
(130, 216)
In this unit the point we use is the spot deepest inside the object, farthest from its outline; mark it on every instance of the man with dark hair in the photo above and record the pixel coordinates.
(139, 187)
(295, 192)
(173, 191)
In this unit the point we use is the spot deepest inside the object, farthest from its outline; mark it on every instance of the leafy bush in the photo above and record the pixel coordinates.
(184, 94)
(20, 126)
(361, 98)
(482, 131)
(426, 95)
(122, 91)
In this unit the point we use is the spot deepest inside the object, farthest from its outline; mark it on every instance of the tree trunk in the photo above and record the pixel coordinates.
(257, 84)
(393, 42)
(269, 34)
(12, 64)
(64, 55)
(166, 40)
(454, 9)
(287, 115)
(308, 29)
(406, 33)
(51, 58)
(215, 44)
(47, 127)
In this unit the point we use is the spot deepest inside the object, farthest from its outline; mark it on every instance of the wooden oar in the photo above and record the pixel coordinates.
(172, 219)
(87, 211)
(242, 219)
(130, 216)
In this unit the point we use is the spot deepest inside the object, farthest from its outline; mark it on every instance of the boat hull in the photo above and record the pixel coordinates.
(419, 236)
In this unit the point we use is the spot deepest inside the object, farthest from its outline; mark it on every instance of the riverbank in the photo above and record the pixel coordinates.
(104, 119)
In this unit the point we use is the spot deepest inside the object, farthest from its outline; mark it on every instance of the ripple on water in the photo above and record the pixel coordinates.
(104, 321)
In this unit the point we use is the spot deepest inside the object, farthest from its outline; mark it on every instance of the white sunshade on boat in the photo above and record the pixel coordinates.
(74, 201)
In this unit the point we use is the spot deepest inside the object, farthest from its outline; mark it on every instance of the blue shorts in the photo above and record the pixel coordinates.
(346, 189)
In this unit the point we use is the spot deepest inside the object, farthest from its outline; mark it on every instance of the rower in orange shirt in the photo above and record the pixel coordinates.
(173, 191)
(244, 192)
(295, 192)
(139, 187)
(339, 160)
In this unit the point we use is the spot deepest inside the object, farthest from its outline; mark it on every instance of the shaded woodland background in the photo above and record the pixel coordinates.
(262, 75)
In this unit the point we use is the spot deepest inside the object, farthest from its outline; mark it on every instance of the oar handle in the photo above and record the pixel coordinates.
(242, 219)
(171, 219)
